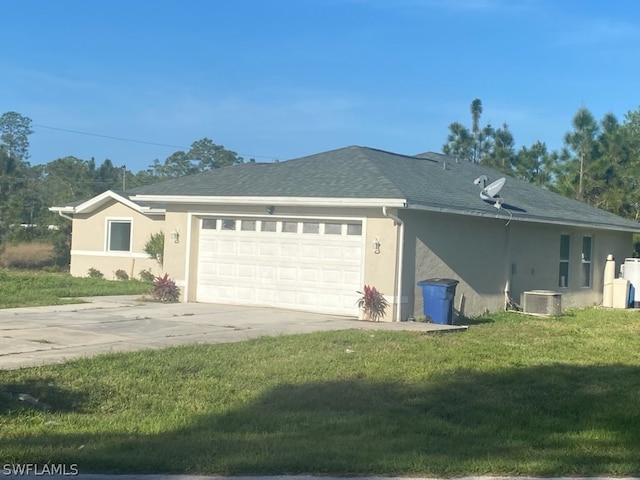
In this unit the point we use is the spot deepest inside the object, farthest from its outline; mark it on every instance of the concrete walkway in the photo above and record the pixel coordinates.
(43, 335)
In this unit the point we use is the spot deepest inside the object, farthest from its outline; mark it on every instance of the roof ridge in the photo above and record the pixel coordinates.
(381, 172)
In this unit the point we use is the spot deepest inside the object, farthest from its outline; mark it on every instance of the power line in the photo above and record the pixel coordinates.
(131, 140)
(110, 137)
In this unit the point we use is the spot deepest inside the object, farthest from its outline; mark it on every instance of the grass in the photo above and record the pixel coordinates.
(24, 289)
(514, 395)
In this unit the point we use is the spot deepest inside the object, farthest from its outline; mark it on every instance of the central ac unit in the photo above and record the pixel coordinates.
(542, 302)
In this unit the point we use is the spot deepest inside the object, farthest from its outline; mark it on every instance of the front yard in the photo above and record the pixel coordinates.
(514, 395)
(28, 289)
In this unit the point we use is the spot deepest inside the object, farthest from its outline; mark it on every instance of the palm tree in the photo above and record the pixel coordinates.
(476, 112)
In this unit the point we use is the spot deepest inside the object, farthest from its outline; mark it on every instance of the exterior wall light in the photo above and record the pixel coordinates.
(175, 236)
(376, 245)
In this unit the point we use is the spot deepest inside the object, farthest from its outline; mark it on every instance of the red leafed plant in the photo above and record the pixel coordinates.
(165, 289)
(372, 303)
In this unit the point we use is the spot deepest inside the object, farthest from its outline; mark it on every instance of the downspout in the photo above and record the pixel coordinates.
(508, 271)
(400, 260)
(65, 216)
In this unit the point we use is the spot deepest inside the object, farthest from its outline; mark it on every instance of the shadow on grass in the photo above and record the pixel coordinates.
(42, 394)
(461, 320)
(547, 420)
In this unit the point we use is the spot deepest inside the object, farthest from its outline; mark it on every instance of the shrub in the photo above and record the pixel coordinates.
(121, 275)
(165, 289)
(94, 273)
(147, 276)
(372, 303)
(155, 247)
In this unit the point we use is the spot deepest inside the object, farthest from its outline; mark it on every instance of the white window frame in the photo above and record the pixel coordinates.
(107, 241)
(585, 263)
(564, 260)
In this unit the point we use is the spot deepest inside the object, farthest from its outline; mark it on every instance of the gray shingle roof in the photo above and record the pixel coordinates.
(426, 181)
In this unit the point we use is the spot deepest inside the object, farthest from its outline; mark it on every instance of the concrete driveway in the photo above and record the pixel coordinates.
(44, 335)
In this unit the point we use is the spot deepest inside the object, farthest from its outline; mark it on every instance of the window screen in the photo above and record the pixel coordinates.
(120, 236)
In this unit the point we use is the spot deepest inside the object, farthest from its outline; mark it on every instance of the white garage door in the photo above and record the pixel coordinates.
(313, 265)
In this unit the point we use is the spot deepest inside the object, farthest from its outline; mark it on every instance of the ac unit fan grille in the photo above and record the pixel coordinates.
(542, 302)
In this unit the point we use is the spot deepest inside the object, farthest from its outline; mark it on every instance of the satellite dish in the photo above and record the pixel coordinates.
(490, 192)
(481, 179)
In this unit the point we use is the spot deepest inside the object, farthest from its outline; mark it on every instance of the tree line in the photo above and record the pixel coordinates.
(599, 162)
(27, 191)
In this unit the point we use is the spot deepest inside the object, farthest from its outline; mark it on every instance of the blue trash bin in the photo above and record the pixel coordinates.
(437, 296)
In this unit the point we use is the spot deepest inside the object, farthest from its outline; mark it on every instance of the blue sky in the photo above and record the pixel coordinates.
(287, 78)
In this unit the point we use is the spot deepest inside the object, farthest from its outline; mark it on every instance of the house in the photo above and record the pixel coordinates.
(308, 233)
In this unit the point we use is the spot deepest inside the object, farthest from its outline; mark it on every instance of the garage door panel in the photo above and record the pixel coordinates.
(225, 270)
(331, 277)
(305, 270)
(309, 275)
(286, 297)
(332, 253)
(268, 249)
(245, 295)
(288, 273)
(227, 247)
(247, 272)
(247, 248)
(310, 252)
(290, 250)
(352, 278)
(266, 272)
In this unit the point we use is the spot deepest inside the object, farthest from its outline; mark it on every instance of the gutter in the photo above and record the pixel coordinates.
(270, 200)
(65, 216)
(400, 260)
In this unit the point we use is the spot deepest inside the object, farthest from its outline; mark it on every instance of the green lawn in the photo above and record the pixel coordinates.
(514, 395)
(27, 289)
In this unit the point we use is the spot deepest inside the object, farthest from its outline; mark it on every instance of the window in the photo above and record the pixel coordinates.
(565, 250)
(268, 226)
(209, 223)
(354, 229)
(290, 227)
(333, 228)
(228, 224)
(248, 225)
(119, 236)
(586, 262)
(310, 227)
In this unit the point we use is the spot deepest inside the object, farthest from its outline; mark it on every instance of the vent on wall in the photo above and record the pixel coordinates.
(542, 302)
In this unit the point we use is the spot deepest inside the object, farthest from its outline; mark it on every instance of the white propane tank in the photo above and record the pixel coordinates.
(609, 276)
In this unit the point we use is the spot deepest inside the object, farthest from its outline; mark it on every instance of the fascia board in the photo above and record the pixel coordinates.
(95, 202)
(62, 209)
(295, 201)
(98, 200)
(532, 219)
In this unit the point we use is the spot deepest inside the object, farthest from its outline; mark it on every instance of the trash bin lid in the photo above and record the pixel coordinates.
(445, 282)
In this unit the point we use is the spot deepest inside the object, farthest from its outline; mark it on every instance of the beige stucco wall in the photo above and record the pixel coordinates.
(181, 259)
(488, 256)
(537, 261)
(89, 242)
